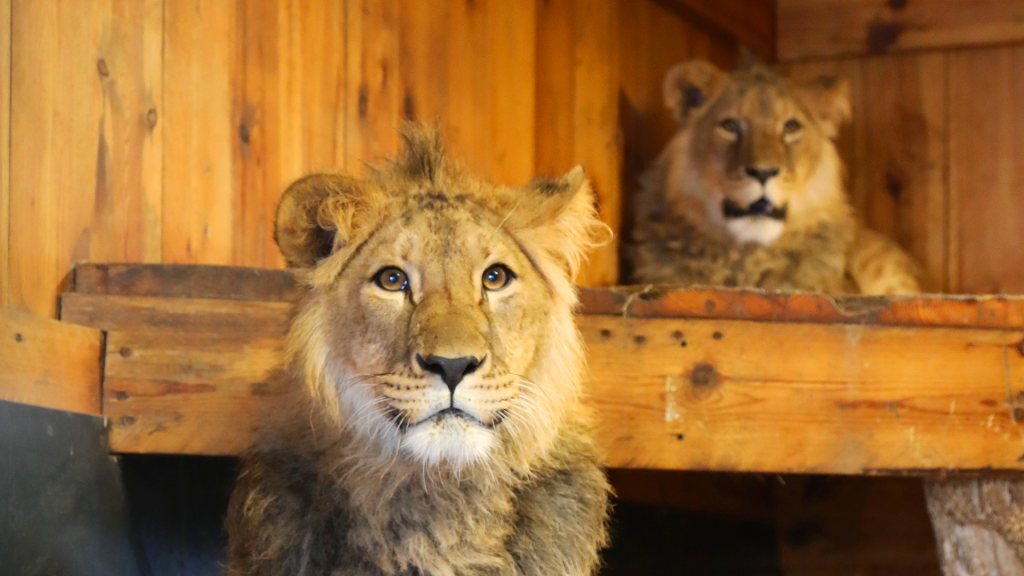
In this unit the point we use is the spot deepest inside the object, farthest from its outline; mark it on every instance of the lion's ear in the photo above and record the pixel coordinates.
(563, 219)
(829, 101)
(690, 86)
(305, 228)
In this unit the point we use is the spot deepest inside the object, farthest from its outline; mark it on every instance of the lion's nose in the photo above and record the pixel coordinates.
(762, 175)
(451, 370)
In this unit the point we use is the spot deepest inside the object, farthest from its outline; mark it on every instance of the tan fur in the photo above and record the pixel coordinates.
(731, 127)
(365, 475)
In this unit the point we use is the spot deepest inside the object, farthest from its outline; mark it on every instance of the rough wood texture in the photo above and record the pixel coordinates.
(775, 397)
(979, 525)
(48, 363)
(185, 376)
(751, 22)
(816, 28)
(186, 281)
(835, 392)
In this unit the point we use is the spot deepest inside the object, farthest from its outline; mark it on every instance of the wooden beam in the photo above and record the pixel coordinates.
(47, 363)
(805, 398)
(772, 383)
(817, 28)
(751, 22)
(184, 376)
(186, 281)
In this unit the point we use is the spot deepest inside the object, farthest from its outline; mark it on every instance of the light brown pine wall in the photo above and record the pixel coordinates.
(936, 145)
(164, 130)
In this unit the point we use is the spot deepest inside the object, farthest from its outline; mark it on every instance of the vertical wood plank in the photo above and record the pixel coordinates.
(512, 44)
(595, 125)
(372, 87)
(260, 115)
(905, 165)
(555, 86)
(5, 150)
(57, 130)
(152, 144)
(424, 47)
(289, 110)
(986, 143)
(199, 131)
(127, 202)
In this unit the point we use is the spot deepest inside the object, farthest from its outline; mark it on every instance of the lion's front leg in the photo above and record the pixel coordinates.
(561, 525)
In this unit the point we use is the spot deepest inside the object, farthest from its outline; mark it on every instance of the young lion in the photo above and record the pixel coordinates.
(749, 192)
(438, 428)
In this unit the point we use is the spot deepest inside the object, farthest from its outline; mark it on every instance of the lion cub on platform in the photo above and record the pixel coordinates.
(438, 428)
(749, 192)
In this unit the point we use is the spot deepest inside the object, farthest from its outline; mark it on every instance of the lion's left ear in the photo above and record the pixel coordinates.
(562, 219)
(829, 101)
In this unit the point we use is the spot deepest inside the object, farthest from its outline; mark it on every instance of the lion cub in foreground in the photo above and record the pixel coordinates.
(750, 192)
(438, 428)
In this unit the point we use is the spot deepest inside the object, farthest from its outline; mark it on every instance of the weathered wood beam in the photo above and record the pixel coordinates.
(50, 364)
(701, 379)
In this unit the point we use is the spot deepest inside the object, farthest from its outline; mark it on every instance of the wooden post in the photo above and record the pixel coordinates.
(979, 525)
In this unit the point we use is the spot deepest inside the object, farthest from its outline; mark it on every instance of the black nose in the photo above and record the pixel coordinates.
(762, 175)
(451, 370)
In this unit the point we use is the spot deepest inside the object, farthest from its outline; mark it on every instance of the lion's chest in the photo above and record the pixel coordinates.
(439, 532)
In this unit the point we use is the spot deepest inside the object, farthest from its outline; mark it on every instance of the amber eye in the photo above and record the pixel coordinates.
(497, 277)
(792, 126)
(731, 125)
(391, 279)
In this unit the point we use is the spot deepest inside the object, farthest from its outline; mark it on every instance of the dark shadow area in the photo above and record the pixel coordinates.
(177, 504)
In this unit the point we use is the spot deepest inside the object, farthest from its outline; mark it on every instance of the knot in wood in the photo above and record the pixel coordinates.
(704, 375)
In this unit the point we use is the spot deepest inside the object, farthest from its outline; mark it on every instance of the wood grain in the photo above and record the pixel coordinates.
(57, 133)
(5, 151)
(774, 397)
(986, 141)
(750, 22)
(674, 393)
(815, 28)
(289, 110)
(200, 131)
(906, 164)
(48, 363)
(186, 281)
(188, 376)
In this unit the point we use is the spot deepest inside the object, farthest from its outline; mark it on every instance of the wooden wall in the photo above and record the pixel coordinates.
(935, 148)
(164, 130)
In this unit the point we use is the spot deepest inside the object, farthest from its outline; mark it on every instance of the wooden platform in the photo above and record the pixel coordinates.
(696, 379)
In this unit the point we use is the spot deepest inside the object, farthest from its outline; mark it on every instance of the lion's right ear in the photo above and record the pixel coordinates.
(304, 228)
(690, 86)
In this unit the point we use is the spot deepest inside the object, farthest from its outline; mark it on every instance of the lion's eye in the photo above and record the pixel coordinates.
(731, 125)
(792, 126)
(497, 277)
(392, 279)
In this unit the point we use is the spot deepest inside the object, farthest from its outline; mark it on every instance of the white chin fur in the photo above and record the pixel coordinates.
(757, 229)
(452, 440)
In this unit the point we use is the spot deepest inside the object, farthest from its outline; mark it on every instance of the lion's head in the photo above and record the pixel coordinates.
(439, 324)
(754, 156)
